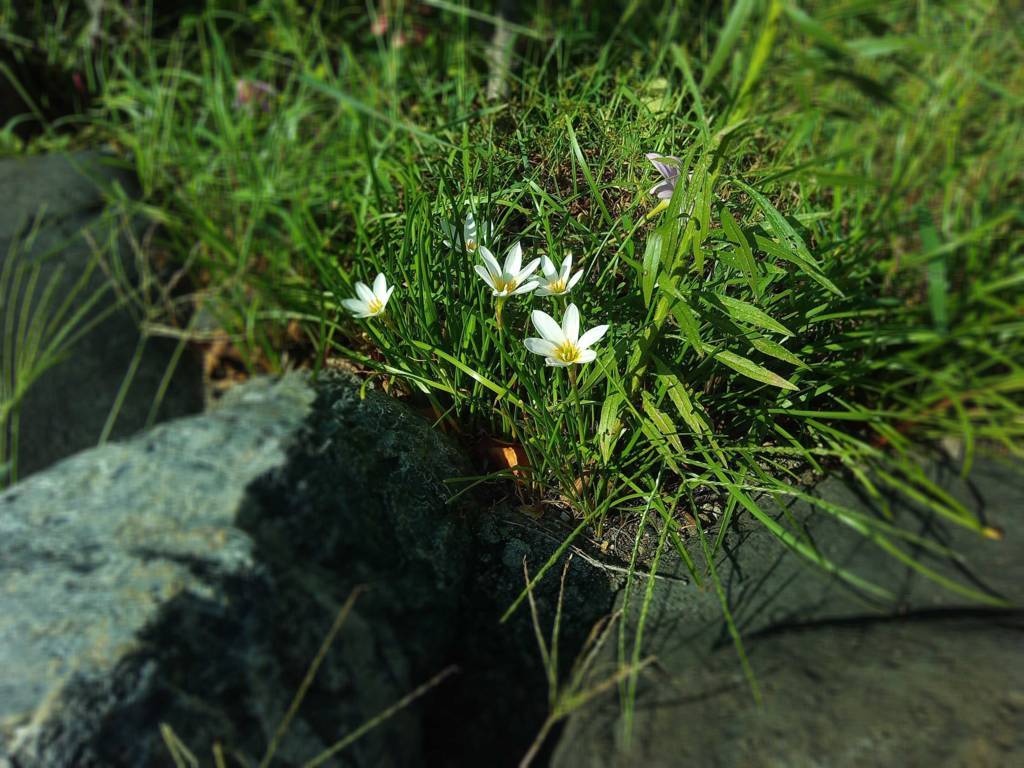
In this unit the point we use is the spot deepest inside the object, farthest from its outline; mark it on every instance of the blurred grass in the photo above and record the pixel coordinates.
(42, 317)
(846, 290)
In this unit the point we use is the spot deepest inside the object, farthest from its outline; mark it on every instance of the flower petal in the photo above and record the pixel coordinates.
(548, 268)
(573, 280)
(545, 291)
(566, 267)
(354, 306)
(388, 294)
(484, 274)
(556, 363)
(490, 262)
(526, 271)
(669, 172)
(525, 288)
(547, 327)
(586, 356)
(592, 336)
(514, 259)
(540, 347)
(571, 323)
(380, 286)
(469, 229)
(363, 292)
(663, 189)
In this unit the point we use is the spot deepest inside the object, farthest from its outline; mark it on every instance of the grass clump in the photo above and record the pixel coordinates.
(835, 280)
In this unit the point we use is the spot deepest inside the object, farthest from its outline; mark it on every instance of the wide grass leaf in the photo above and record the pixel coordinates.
(779, 352)
(746, 255)
(743, 312)
(780, 227)
(662, 422)
(752, 370)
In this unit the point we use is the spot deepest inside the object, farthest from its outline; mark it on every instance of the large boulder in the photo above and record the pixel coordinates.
(187, 578)
(848, 678)
(55, 217)
(179, 584)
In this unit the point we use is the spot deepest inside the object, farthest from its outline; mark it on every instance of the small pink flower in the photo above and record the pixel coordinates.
(379, 25)
(253, 92)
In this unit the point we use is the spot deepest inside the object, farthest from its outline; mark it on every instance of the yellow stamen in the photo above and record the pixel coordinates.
(471, 245)
(501, 284)
(567, 352)
(558, 286)
(375, 306)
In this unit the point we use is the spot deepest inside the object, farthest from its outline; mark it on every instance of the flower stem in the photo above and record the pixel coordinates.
(380, 332)
(661, 206)
(579, 425)
(579, 403)
(498, 306)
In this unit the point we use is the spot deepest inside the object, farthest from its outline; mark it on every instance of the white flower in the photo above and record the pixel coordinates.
(669, 174)
(473, 236)
(510, 279)
(557, 282)
(369, 303)
(561, 344)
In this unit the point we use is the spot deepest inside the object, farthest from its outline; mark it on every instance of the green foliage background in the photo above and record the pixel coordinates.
(839, 285)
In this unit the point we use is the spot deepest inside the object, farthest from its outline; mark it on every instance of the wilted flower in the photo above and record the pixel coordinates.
(473, 236)
(510, 279)
(557, 282)
(258, 92)
(369, 303)
(561, 345)
(669, 175)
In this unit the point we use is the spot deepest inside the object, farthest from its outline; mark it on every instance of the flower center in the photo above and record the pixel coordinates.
(471, 245)
(567, 352)
(375, 306)
(502, 284)
(557, 286)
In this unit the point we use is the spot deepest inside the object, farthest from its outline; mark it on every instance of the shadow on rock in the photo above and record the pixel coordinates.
(186, 578)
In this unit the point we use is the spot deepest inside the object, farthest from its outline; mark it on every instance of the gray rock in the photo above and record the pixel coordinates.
(65, 410)
(820, 648)
(931, 692)
(189, 575)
